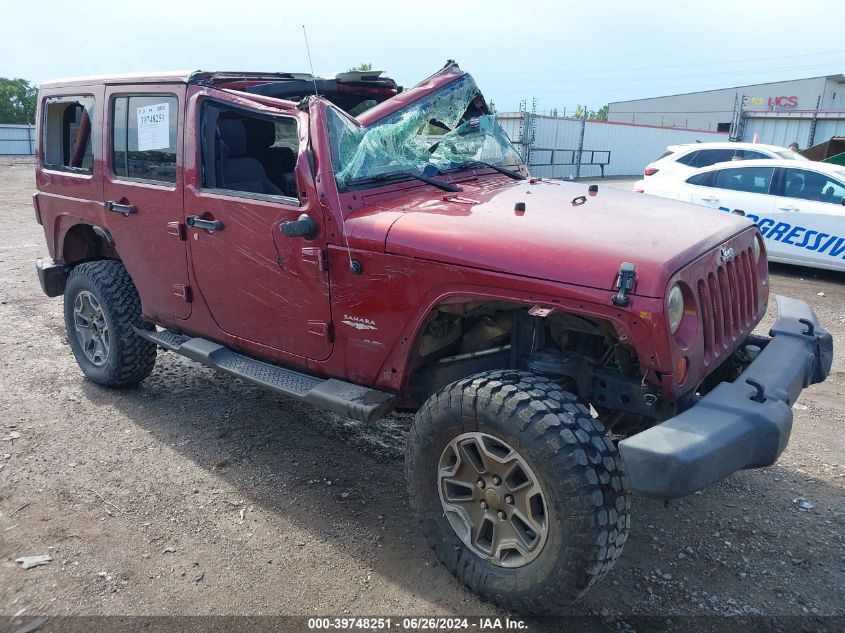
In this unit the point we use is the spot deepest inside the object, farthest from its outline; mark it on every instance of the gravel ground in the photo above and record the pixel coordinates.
(198, 494)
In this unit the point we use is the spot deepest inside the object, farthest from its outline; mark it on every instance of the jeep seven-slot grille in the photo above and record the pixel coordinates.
(728, 302)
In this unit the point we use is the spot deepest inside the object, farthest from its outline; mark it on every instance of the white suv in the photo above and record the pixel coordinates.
(681, 159)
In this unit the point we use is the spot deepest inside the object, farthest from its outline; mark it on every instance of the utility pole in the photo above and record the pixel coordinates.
(811, 140)
(580, 145)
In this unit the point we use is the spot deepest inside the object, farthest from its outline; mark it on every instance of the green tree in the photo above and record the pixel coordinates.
(361, 67)
(583, 112)
(17, 101)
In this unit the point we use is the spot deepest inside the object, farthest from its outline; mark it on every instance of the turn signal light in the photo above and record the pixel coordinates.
(681, 370)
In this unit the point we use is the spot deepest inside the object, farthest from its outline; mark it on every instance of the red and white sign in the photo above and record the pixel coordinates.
(776, 103)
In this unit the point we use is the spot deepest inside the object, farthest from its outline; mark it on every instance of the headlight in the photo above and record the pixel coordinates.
(675, 308)
(756, 249)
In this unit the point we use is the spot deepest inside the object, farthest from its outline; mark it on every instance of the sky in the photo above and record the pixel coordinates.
(560, 53)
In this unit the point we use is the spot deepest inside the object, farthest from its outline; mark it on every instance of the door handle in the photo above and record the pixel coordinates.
(117, 207)
(710, 199)
(197, 222)
(788, 209)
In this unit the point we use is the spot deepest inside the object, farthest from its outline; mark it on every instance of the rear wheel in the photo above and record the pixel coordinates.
(520, 493)
(101, 308)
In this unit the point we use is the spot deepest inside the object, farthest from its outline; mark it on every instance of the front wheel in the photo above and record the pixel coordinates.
(520, 493)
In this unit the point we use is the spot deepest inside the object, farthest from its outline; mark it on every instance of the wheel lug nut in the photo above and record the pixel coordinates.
(483, 505)
(509, 500)
(501, 514)
(481, 484)
(497, 480)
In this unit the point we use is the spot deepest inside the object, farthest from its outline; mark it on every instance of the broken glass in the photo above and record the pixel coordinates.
(443, 131)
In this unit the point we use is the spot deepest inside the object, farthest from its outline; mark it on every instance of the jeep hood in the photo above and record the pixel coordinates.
(554, 239)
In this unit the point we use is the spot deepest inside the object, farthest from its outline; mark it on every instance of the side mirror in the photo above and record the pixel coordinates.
(843, 201)
(304, 227)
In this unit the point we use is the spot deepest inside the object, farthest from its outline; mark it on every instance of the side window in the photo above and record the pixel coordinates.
(702, 180)
(688, 159)
(68, 126)
(749, 154)
(707, 157)
(812, 185)
(249, 153)
(748, 179)
(144, 137)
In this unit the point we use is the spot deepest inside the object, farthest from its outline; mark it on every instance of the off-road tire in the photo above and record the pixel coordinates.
(130, 358)
(579, 469)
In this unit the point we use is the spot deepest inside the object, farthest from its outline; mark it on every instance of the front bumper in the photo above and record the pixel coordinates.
(740, 424)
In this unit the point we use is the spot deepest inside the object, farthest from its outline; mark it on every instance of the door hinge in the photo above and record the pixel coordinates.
(177, 229)
(181, 290)
(317, 256)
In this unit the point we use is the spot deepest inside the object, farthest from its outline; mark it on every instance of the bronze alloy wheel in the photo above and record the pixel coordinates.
(492, 499)
(91, 328)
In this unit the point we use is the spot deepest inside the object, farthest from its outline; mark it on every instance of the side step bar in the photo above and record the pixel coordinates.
(345, 398)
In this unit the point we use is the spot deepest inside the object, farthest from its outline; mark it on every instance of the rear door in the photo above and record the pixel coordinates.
(807, 223)
(143, 193)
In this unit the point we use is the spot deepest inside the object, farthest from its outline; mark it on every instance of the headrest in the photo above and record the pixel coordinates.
(233, 135)
(260, 134)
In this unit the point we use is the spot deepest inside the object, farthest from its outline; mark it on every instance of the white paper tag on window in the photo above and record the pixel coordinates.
(154, 127)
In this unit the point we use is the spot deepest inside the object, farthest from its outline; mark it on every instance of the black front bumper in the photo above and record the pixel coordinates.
(740, 424)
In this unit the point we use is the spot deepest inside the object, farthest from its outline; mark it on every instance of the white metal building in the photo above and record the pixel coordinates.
(808, 111)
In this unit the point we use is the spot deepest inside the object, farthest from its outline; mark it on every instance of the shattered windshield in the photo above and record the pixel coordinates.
(444, 131)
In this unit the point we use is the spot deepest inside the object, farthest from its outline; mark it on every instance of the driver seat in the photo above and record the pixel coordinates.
(238, 170)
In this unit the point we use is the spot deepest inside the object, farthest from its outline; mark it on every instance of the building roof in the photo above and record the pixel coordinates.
(838, 78)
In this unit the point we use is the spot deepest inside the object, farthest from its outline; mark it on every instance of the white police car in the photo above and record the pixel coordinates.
(797, 205)
(686, 158)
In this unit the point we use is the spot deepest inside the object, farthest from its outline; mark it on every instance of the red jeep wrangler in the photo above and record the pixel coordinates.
(563, 347)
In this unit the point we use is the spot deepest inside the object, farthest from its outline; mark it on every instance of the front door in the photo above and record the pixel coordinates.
(263, 287)
(806, 224)
(740, 190)
(143, 193)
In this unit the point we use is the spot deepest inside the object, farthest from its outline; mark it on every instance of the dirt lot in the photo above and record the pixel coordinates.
(197, 494)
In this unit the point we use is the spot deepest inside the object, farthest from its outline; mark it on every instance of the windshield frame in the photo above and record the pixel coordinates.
(402, 140)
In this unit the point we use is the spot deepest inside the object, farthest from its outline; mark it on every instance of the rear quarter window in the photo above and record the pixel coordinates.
(687, 159)
(68, 132)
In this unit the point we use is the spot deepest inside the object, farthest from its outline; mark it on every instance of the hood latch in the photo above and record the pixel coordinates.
(624, 284)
